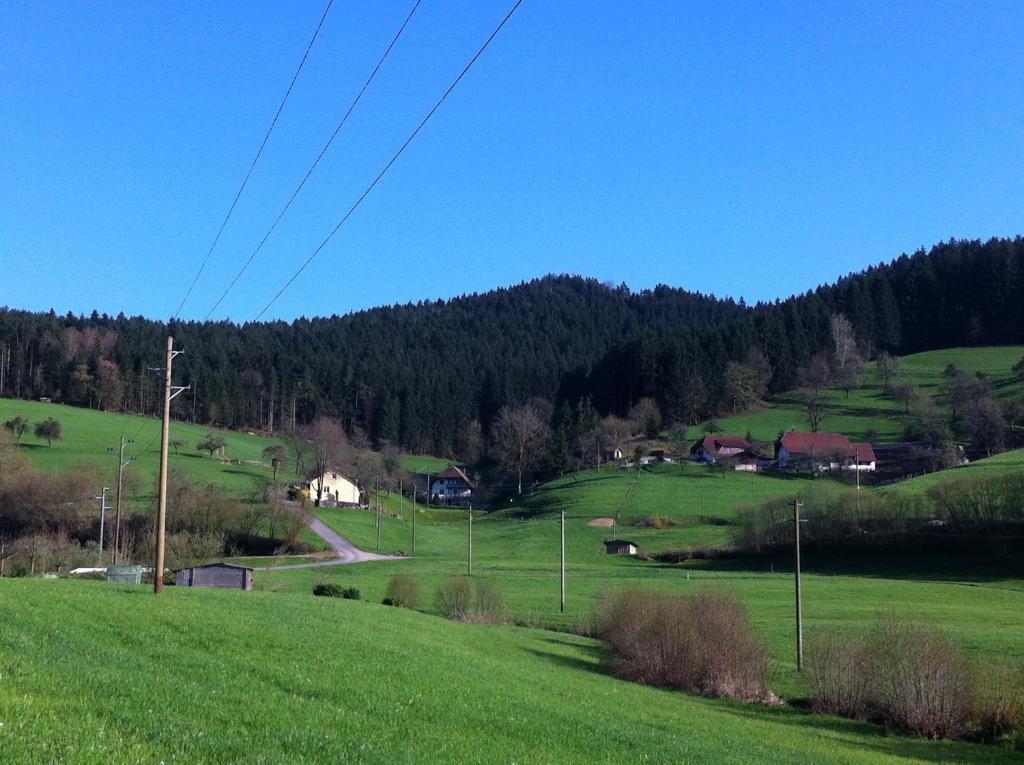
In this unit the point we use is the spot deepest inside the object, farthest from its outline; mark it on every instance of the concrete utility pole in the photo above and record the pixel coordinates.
(562, 559)
(122, 463)
(170, 391)
(376, 483)
(470, 556)
(103, 517)
(799, 600)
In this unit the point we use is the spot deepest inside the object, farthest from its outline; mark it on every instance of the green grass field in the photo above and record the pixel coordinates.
(867, 410)
(90, 674)
(88, 434)
(277, 675)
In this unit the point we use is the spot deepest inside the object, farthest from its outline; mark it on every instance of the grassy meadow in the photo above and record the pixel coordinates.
(90, 676)
(867, 410)
(88, 434)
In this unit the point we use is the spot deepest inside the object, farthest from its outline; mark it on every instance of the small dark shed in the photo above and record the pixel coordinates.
(223, 575)
(620, 547)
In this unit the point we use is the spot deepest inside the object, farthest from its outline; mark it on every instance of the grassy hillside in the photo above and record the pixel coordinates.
(999, 464)
(261, 678)
(88, 434)
(867, 410)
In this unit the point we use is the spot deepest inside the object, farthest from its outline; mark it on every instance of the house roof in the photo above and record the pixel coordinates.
(611, 542)
(863, 452)
(454, 471)
(713, 443)
(332, 474)
(816, 443)
(215, 565)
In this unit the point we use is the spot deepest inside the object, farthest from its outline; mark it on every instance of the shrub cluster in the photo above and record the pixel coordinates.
(701, 643)
(403, 591)
(329, 590)
(914, 679)
(458, 599)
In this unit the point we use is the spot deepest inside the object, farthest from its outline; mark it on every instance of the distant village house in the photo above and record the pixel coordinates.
(823, 451)
(338, 490)
(713, 448)
(452, 487)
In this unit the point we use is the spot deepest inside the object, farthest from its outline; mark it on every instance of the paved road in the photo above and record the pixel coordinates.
(347, 552)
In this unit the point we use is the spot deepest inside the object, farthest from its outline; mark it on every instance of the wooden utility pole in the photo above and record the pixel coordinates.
(170, 392)
(799, 600)
(562, 560)
(470, 556)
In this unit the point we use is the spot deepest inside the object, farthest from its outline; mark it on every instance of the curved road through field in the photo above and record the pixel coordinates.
(346, 551)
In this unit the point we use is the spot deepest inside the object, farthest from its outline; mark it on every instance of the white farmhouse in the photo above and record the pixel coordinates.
(338, 490)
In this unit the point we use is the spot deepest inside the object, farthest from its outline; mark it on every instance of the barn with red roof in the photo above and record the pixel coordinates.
(823, 451)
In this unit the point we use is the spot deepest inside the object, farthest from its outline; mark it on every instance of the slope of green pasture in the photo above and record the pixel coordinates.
(867, 411)
(104, 673)
(88, 434)
(1001, 464)
(422, 464)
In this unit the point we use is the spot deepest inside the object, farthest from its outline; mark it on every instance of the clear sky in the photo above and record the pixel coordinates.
(752, 149)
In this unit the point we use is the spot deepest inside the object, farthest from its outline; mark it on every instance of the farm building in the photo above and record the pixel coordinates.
(620, 547)
(221, 575)
(660, 455)
(611, 453)
(712, 448)
(337, 490)
(452, 487)
(823, 451)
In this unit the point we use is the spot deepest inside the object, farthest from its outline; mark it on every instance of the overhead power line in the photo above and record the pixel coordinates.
(255, 159)
(391, 161)
(316, 161)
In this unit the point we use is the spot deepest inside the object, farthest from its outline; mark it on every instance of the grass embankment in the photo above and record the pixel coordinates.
(261, 678)
(867, 410)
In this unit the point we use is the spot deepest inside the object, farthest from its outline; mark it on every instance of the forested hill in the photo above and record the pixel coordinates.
(415, 374)
(958, 294)
(421, 375)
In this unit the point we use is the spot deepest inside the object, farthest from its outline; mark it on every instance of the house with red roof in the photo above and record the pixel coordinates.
(712, 448)
(452, 487)
(823, 451)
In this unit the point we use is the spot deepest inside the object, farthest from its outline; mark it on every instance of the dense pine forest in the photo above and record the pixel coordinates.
(433, 376)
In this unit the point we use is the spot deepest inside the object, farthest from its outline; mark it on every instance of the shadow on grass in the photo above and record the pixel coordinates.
(967, 570)
(872, 737)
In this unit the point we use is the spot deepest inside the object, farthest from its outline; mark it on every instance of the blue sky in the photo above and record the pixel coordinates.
(752, 149)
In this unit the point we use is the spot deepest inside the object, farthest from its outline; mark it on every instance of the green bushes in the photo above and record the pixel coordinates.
(456, 599)
(403, 591)
(914, 679)
(330, 590)
(701, 643)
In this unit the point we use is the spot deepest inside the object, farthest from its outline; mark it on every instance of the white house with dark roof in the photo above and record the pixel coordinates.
(452, 487)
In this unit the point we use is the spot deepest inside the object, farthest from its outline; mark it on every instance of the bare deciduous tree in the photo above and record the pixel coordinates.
(326, 439)
(518, 435)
